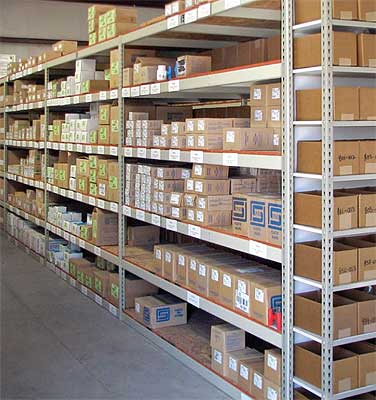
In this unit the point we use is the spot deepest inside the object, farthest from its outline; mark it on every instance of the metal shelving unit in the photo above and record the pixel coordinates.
(230, 84)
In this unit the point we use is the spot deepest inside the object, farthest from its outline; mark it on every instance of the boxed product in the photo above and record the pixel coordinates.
(311, 10)
(105, 227)
(308, 309)
(367, 156)
(233, 359)
(192, 64)
(307, 362)
(227, 337)
(345, 157)
(205, 171)
(367, 103)
(307, 50)
(136, 287)
(366, 50)
(345, 210)
(101, 282)
(308, 260)
(161, 311)
(346, 104)
(273, 366)
(246, 374)
(114, 290)
(251, 139)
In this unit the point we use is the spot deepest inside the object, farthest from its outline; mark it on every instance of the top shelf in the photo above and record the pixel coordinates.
(198, 27)
(315, 26)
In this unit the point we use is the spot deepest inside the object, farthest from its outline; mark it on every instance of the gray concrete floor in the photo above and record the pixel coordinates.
(57, 344)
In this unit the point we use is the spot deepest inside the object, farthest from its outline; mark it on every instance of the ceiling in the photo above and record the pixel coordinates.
(138, 3)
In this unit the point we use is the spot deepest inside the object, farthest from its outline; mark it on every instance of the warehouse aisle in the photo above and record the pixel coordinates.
(57, 344)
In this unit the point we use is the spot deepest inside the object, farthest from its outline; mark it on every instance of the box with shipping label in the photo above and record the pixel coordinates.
(367, 103)
(105, 227)
(367, 156)
(227, 337)
(246, 370)
(101, 282)
(233, 360)
(273, 366)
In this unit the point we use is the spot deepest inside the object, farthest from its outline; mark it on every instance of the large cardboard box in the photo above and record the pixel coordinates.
(307, 50)
(267, 139)
(308, 310)
(233, 360)
(346, 104)
(114, 290)
(258, 117)
(227, 337)
(345, 157)
(246, 369)
(273, 366)
(367, 156)
(366, 50)
(105, 227)
(366, 10)
(366, 362)
(218, 361)
(257, 382)
(136, 287)
(366, 309)
(308, 262)
(310, 10)
(101, 282)
(345, 210)
(192, 64)
(367, 103)
(161, 311)
(75, 263)
(307, 361)
(258, 95)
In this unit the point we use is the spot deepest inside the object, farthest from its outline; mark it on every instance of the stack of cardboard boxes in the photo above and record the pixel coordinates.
(24, 92)
(27, 163)
(106, 22)
(30, 200)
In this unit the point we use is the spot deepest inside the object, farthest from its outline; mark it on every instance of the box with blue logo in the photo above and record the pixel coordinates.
(160, 311)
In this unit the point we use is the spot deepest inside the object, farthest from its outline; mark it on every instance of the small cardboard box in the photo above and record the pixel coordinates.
(101, 282)
(91, 86)
(366, 253)
(128, 76)
(307, 362)
(227, 337)
(272, 391)
(273, 94)
(233, 360)
(161, 311)
(308, 259)
(367, 104)
(241, 210)
(192, 64)
(273, 116)
(310, 10)
(105, 227)
(114, 290)
(74, 263)
(257, 95)
(308, 314)
(366, 306)
(258, 117)
(345, 160)
(218, 361)
(346, 104)
(246, 370)
(307, 50)
(345, 210)
(103, 134)
(257, 381)
(366, 362)
(104, 114)
(213, 218)
(273, 366)
(214, 203)
(82, 184)
(211, 186)
(367, 207)
(205, 171)
(136, 287)
(366, 50)
(367, 156)
(119, 28)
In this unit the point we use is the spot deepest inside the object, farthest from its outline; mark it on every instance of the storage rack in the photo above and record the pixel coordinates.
(231, 84)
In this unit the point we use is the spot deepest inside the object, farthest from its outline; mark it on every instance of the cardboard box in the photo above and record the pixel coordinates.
(65, 47)
(105, 227)
(272, 391)
(258, 117)
(233, 360)
(246, 370)
(125, 14)
(257, 381)
(93, 86)
(251, 139)
(345, 157)
(310, 10)
(208, 186)
(82, 184)
(366, 253)
(214, 203)
(192, 64)
(345, 210)
(213, 218)
(367, 209)
(114, 290)
(103, 134)
(217, 361)
(367, 101)
(307, 362)
(205, 171)
(273, 116)
(273, 94)
(273, 366)
(366, 50)
(366, 362)
(136, 287)
(367, 156)
(119, 28)
(308, 309)
(75, 263)
(208, 141)
(366, 309)
(366, 10)
(85, 275)
(101, 282)
(307, 50)
(346, 104)
(308, 259)
(227, 337)
(241, 210)
(104, 114)
(258, 95)
(161, 311)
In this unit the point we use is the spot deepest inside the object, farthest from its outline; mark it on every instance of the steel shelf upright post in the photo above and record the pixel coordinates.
(46, 161)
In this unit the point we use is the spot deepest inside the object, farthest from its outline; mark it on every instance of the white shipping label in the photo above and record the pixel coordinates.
(201, 141)
(168, 257)
(200, 216)
(155, 88)
(227, 281)
(198, 186)
(202, 269)
(197, 156)
(158, 254)
(198, 169)
(230, 137)
(244, 372)
(217, 356)
(214, 275)
(271, 394)
(174, 86)
(193, 265)
(257, 94)
(259, 295)
(190, 141)
(275, 116)
(137, 307)
(232, 363)
(257, 380)
(242, 286)
(276, 93)
(272, 362)
(156, 220)
(200, 125)
(201, 202)
(181, 259)
(258, 115)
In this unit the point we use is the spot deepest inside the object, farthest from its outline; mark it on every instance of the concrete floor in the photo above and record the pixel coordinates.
(57, 344)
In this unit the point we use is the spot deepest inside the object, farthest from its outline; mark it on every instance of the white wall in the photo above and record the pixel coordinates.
(39, 19)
